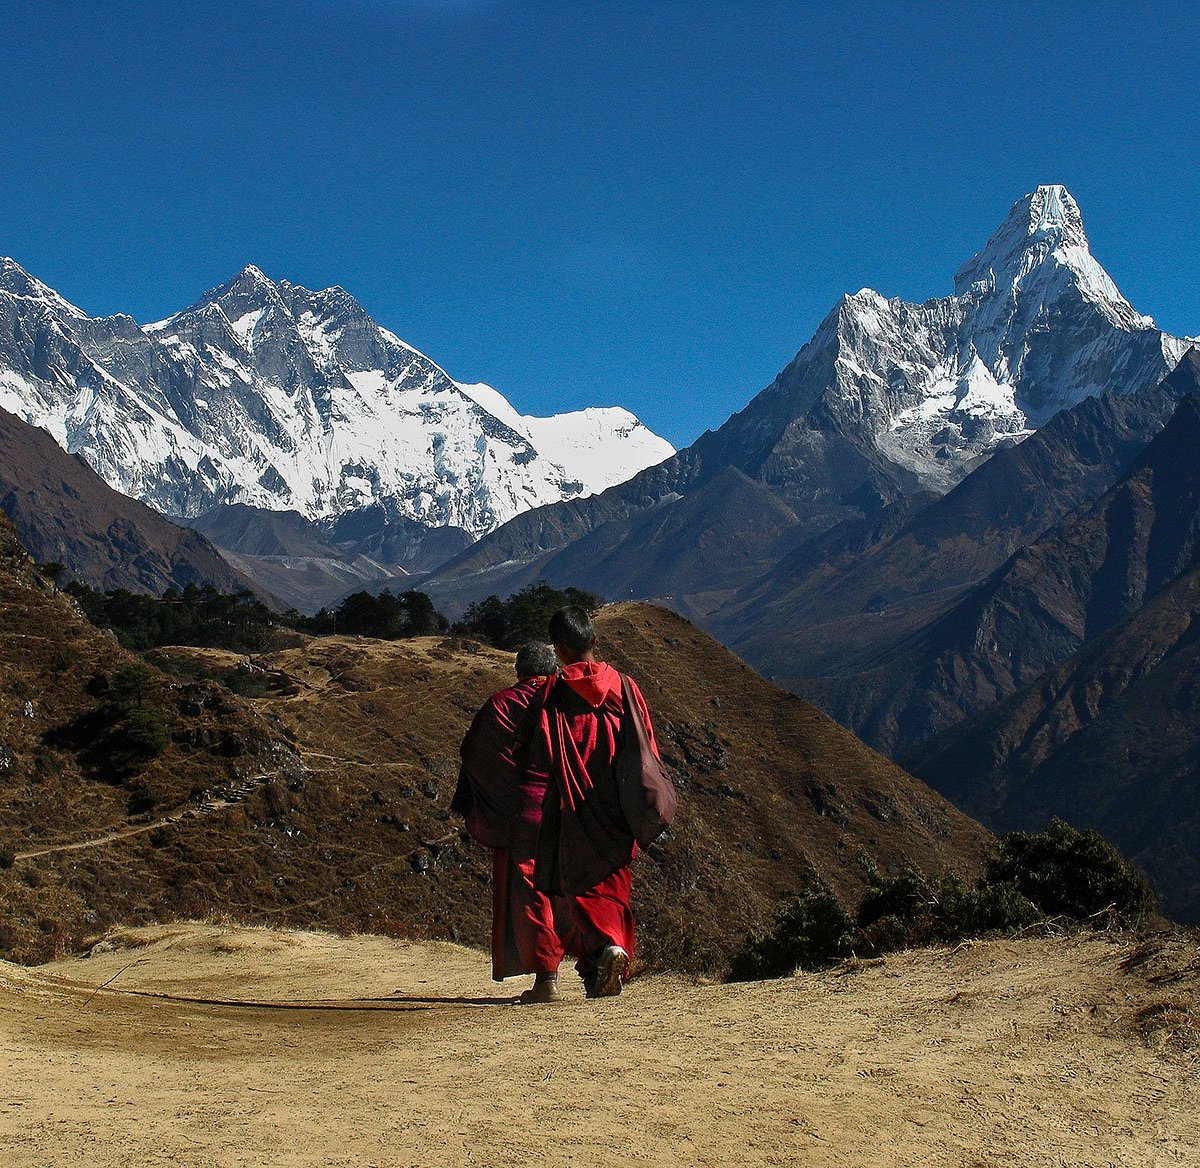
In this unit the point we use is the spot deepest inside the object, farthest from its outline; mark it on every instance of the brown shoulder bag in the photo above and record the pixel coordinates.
(648, 798)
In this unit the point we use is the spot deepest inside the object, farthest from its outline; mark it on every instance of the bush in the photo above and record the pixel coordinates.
(915, 909)
(133, 685)
(137, 738)
(912, 909)
(1069, 873)
(811, 931)
(1003, 908)
(1060, 872)
(524, 616)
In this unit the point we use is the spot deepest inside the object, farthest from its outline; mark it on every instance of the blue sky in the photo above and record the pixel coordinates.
(650, 204)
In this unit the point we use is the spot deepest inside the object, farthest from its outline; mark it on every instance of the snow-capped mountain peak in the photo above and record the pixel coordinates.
(1042, 240)
(1035, 324)
(251, 281)
(16, 281)
(287, 399)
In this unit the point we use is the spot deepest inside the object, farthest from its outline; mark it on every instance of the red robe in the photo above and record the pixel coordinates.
(502, 804)
(585, 848)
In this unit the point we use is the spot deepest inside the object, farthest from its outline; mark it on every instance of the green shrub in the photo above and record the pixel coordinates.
(1003, 908)
(1069, 873)
(137, 738)
(133, 685)
(1060, 872)
(913, 909)
(811, 931)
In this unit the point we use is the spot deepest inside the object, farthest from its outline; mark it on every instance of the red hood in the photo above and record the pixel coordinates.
(592, 680)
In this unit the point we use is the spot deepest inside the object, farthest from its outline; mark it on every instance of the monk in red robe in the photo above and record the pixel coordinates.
(501, 801)
(586, 848)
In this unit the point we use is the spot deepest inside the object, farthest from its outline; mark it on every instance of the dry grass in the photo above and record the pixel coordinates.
(325, 802)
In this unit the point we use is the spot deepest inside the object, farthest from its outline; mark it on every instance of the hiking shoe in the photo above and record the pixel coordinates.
(541, 993)
(610, 972)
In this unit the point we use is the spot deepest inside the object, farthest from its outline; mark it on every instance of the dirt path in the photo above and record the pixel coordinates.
(190, 811)
(1014, 1054)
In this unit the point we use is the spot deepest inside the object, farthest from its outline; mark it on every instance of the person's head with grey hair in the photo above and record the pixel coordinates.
(536, 659)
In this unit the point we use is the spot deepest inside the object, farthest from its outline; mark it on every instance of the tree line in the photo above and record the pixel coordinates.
(203, 616)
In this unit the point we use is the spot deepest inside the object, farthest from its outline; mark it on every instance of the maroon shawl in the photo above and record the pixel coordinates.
(498, 796)
(584, 836)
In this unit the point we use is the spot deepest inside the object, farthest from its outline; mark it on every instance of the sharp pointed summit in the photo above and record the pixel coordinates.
(890, 399)
(16, 281)
(250, 287)
(1041, 248)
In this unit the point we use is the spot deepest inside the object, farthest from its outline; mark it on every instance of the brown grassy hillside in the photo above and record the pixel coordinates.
(324, 801)
(56, 791)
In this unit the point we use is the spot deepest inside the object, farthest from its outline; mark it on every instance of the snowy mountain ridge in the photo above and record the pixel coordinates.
(1034, 325)
(275, 396)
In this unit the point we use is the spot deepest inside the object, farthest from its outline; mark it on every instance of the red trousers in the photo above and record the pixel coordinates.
(523, 919)
(531, 931)
(592, 920)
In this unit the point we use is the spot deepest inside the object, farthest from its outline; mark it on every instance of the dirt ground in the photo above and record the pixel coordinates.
(367, 1052)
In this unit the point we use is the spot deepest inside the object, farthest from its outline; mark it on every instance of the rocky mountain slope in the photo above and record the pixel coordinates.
(311, 564)
(272, 395)
(888, 400)
(325, 801)
(842, 602)
(1094, 568)
(1109, 738)
(65, 513)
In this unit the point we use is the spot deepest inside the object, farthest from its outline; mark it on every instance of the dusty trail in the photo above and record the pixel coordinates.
(365, 1051)
(191, 811)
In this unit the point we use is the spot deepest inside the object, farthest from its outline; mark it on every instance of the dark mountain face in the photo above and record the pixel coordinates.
(699, 546)
(1095, 567)
(310, 564)
(842, 602)
(64, 513)
(1109, 738)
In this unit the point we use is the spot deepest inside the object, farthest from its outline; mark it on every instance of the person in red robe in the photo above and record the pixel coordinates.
(501, 801)
(585, 847)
